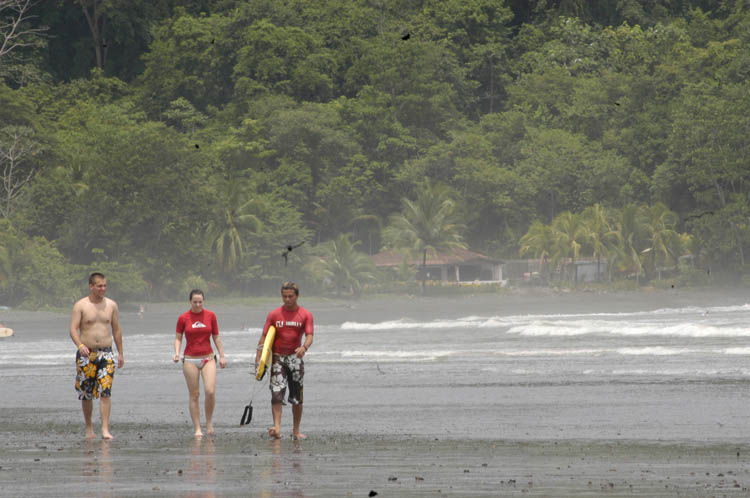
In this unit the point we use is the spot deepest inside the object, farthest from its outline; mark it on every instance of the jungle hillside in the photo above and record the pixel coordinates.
(233, 144)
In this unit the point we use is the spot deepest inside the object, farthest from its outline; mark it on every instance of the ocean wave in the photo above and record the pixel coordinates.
(652, 329)
(737, 351)
(461, 355)
(408, 324)
(395, 354)
(498, 321)
(655, 351)
(488, 357)
(703, 310)
(552, 352)
(675, 372)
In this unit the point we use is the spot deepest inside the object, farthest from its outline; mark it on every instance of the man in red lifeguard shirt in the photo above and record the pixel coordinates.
(287, 368)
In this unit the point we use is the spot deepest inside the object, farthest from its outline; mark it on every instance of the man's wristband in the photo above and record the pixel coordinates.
(81, 345)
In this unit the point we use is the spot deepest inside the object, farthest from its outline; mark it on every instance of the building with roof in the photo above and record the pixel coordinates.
(458, 265)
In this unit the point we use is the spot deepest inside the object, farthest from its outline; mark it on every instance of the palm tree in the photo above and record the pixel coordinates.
(629, 233)
(365, 225)
(405, 272)
(234, 221)
(426, 224)
(664, 242)
(538, 241)
(599, 234)
(341, 264)
(568, 232)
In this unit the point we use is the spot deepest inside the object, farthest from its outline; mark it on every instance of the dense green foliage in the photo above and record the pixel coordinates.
(179, 141)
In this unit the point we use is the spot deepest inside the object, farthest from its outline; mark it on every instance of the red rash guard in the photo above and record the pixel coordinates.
(198, 329)
(290, 326)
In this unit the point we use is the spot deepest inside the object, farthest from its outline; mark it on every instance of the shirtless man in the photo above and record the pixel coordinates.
(93, 316)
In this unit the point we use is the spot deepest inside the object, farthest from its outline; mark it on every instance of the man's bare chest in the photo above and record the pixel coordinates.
(100, 313)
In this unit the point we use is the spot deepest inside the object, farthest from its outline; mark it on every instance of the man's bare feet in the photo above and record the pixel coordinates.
(274, 433)
(298, 436)
(210, 430)
(198, 433)
(107, 435)
(90, 434)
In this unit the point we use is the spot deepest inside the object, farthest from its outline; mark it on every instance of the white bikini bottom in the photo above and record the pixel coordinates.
(199, 362)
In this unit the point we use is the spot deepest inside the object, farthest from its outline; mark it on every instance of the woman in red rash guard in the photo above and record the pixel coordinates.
(199, 326)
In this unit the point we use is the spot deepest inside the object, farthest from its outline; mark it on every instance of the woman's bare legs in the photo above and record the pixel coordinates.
(209, 386)
(192, 377)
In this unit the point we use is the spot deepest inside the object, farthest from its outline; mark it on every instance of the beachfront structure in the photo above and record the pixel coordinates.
(588, 270)
(529, 270)
(459, 265)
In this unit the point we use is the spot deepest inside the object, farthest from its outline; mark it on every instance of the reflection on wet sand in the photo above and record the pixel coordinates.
(282, 479)
(202, 468)
(97, 468)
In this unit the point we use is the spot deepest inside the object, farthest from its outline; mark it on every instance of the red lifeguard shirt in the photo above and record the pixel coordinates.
(290, 326)
(198, 329)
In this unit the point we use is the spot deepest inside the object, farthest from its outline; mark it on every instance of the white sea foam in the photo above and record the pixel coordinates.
(408, 324)
(655, 351)
(460, 355)
(395, 354)
(676, 372)
(736, 351)
(653, 329)
(701, 311)
(571, 319)
(552, 352)
(250, 331)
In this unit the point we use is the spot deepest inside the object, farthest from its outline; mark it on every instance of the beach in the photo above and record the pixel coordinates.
(615, 395)
(156, 461)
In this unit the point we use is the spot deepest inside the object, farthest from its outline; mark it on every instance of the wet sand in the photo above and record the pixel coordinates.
(40, 456)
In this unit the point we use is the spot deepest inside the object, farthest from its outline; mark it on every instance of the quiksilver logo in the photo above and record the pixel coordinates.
(198, 325)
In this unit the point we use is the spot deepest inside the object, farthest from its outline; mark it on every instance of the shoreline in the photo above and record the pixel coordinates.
(447, 292)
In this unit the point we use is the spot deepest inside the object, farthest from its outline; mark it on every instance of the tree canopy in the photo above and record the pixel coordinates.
(187, 139)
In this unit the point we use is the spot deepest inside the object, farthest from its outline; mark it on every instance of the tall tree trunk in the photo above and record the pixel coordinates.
(742, 252)
(598, 264)
(97, 25)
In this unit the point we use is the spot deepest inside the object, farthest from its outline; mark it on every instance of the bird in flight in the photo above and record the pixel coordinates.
(289, 249)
